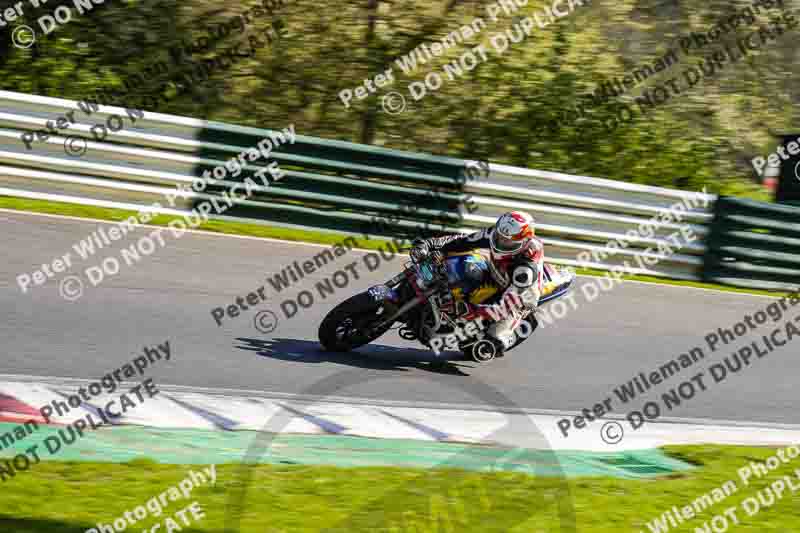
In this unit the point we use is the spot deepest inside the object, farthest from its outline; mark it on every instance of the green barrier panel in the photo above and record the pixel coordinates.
(754, 206)
(763, 241)
(320, 152)
(766, 272)
(792, 260)
(753, 244)
(776, 225)
(422, 188)
(197, 446)
(724, 277)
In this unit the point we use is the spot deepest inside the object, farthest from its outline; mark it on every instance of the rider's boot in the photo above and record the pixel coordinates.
(503, 334)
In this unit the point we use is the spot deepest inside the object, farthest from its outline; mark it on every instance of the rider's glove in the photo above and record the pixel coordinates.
(419, 251)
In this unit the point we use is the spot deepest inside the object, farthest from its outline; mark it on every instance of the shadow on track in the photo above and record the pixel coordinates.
(373, 356)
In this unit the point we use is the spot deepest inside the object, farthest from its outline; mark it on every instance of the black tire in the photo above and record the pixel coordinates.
(359, 309)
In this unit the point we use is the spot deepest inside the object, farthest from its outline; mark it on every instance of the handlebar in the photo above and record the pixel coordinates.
(432, 269)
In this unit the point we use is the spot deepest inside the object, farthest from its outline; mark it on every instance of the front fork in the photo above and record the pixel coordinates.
(389, 297)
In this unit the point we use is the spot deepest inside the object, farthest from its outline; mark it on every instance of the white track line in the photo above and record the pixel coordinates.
(304, 398)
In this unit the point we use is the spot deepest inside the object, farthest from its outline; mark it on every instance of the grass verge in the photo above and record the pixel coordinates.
(276, 232)
(73, 497)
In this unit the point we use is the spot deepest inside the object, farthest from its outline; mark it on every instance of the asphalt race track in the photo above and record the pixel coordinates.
(169, 296)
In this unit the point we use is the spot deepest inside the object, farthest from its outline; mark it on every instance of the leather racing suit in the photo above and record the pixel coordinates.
(519, 277)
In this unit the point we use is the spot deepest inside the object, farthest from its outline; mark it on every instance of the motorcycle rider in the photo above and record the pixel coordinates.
(516, 264)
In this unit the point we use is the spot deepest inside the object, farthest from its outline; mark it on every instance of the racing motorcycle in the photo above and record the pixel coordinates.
(427, 299)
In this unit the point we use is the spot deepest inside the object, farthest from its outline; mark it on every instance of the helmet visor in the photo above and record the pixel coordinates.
(506, 245)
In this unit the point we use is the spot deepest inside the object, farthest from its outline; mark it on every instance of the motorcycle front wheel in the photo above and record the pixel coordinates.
(350, 324)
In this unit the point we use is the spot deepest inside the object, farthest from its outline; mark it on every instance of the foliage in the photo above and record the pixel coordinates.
(500, 109)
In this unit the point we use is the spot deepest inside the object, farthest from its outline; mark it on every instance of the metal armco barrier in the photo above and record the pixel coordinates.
(788, 190)
(329, 185)
(754, 244)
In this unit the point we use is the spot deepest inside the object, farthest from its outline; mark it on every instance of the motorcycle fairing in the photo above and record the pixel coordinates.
(557, 283)
(382, 293)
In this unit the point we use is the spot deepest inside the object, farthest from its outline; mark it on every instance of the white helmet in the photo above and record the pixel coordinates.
(512, 234)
